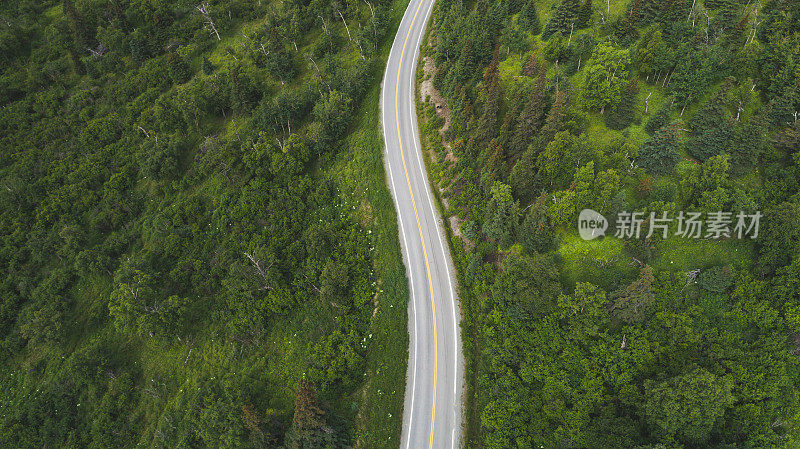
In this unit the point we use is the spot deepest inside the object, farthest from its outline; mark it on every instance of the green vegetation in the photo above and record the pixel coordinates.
(645, 106)
(198, 245)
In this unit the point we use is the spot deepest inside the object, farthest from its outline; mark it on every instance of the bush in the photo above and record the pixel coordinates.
(716, 279)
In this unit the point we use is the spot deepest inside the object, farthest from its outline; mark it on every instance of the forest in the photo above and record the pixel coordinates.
(533, 110)
(197, 245)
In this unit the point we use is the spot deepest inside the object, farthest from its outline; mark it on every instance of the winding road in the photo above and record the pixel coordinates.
(432, 412)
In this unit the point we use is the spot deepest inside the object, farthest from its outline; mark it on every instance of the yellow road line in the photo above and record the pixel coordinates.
(419, 226)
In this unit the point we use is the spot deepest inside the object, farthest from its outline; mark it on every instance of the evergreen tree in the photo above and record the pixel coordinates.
(748, 144)
(536, 232)
(494, 168)
(179, 70)
(659, 154)
(531, 118)
(503, 214)
(79, 34)
(207, 66)
(660, 118)
(783, 108)
(523, 177)
(529, 19)
(491, 96)
(564, 18)
(624, 113)
(555, 120)
(712, 130)
(585, 14)
(310, 428)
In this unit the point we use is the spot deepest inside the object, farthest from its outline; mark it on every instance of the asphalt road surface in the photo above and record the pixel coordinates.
(432, 414)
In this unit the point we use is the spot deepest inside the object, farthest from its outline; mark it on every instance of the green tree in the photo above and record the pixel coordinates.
(585, 310)
(585, 14)
(536, 233)
(649, 52)
(336, 360)
(659, 153)
(332, 111)
(528, 18)
(558, 162)
(633, 302)
(688, 406)
(606, 74)
(660, 118)
(624, 113)
(565, 17)
(531, 118)
(310, 428)
(527, 286)
(503, 213)
(207, 66)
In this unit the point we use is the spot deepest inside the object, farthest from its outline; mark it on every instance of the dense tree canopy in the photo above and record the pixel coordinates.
(183, 262)
(641, 106)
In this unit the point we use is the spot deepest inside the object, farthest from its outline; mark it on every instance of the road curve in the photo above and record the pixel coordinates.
(432, 412)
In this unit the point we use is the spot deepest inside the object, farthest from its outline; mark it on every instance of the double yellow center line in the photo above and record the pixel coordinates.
(419, 226)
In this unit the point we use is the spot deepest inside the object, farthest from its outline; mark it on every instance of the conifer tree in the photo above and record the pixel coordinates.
(564, 18)
(660, 118)
(310, 429)
(491, 96)
(529, 19)
(524, 177)
(712, 130)
(536, 232)
(624, 113)
(555, 120)
(659, 154)
(748, 143)
(532, 66)
(585, 14)
(530, 120)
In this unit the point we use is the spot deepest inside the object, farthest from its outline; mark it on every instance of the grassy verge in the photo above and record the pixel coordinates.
(439, 173)
(359, 171)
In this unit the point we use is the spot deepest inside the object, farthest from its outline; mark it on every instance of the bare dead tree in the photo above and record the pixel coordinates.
(190, 342)
(319, 73)
(756, 23)
(691, 277)
(134, 291)
(571, 30)
(374, 26)
(316, 289)
(263, 50)
(144, 131)
(152, 310)
(324, 26)
(350, 38)
(258, 264)
(209, 22)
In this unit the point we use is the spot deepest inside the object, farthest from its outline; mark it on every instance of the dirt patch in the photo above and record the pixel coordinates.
(435, 98)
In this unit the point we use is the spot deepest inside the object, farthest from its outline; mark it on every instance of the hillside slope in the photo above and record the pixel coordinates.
(197, 244)
(632, 340)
